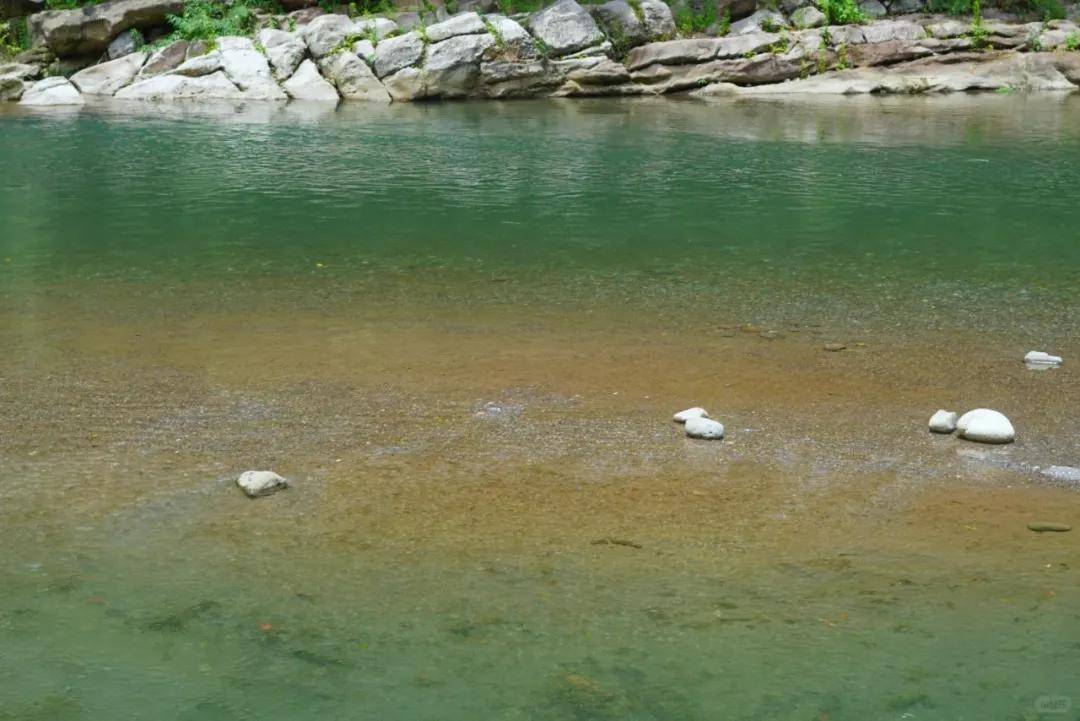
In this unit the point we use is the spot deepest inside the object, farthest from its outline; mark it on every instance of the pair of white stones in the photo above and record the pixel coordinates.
(982, 424)
(699, 425)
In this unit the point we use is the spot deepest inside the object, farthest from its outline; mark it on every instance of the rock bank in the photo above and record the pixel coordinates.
(617, 48)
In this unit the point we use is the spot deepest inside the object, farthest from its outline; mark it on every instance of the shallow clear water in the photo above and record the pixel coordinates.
(461, 329)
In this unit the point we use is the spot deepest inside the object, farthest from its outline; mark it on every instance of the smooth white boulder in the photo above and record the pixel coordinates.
(1064, 474)
(52, 91)
(1039, 358)
(701, 427)
(943, 422)
(986, 426)
(695, 412)
(261, 483)
(307, 84)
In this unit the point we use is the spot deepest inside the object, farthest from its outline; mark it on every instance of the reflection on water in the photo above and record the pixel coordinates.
(461, 330)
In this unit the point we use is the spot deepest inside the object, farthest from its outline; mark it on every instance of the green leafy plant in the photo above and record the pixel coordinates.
(500, 43)
(842, 57)
(725, 23)
(782, 45)
(206, 20)
(842, 12)
(1072, 42)
(688, 22)
(980, 36)
(635, 5)
(542, 48)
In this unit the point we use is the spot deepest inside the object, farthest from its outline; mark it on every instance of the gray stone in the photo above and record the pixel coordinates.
(1049, 527)
(873, 9)
(948, 29)
(353, 78)
(985, 426)
(124, 44)
(257, 484)
(808, 17)
(52, 91)
(284, 51)
(1066, 476)
(673, 52)
(767, 21)
(461, 24)
(365, 49)
(11, 88)
(887, 30)
(89, 30)
(943, 422)
(165, 59)
(393, 54)
(198, 66)
(695, 412)
(659, 23)
(305, 83)
(107, 78)
(21, 71)
(405, 85)
(705, 428)
(326, 33)
(452, 67)
(377, 27)
(171, 87)
(520, 78)
(564, 28)
(248, 69)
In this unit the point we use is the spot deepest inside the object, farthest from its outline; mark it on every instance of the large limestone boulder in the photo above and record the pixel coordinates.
(625, 24)
(11, 88)
(326, 33)
(405, 85)
(468, 23)
(767, 21)
(248, 69)
(511, 39)
(22, 71)
(52, 91)
(518, 78)
(393, 54)
(171, 87)
(107, 78)
(564, 28)
(378, 27)
(305, 83)
(164, 60)
(284, 51)
(199, 65)
(353, 78)
(452, 67)
(89, 30)
(808, 17)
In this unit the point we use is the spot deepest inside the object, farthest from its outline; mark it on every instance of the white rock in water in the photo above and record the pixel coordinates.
(1037, 357)
(1066, 474)
(943, 422)
(695, 412)
(701, 427)
(986, 426)
(261, 483)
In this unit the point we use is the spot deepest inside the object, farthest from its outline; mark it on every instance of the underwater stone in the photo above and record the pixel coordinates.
(1042, 527)
(1038, 357)
(704, 428)
(695, 412)
(261, 483)
(986, 426)
(943, 422)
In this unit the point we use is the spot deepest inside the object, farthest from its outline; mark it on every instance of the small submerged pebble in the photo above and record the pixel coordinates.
(1044, 527)
(705, 428)
(1038, 360)
(943, 422)
(261, 483)
(1065, 474)
(834, 347)
(984, 425)
(695, 412)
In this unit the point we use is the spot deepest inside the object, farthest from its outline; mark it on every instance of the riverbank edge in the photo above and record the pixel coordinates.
(487, 56)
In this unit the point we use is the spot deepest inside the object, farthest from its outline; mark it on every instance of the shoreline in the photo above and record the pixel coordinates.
(564, 51)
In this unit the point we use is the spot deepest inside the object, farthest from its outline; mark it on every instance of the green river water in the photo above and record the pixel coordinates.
(461, 330)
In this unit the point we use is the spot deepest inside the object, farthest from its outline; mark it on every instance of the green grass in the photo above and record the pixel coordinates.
(688, 22)
(842, 12)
